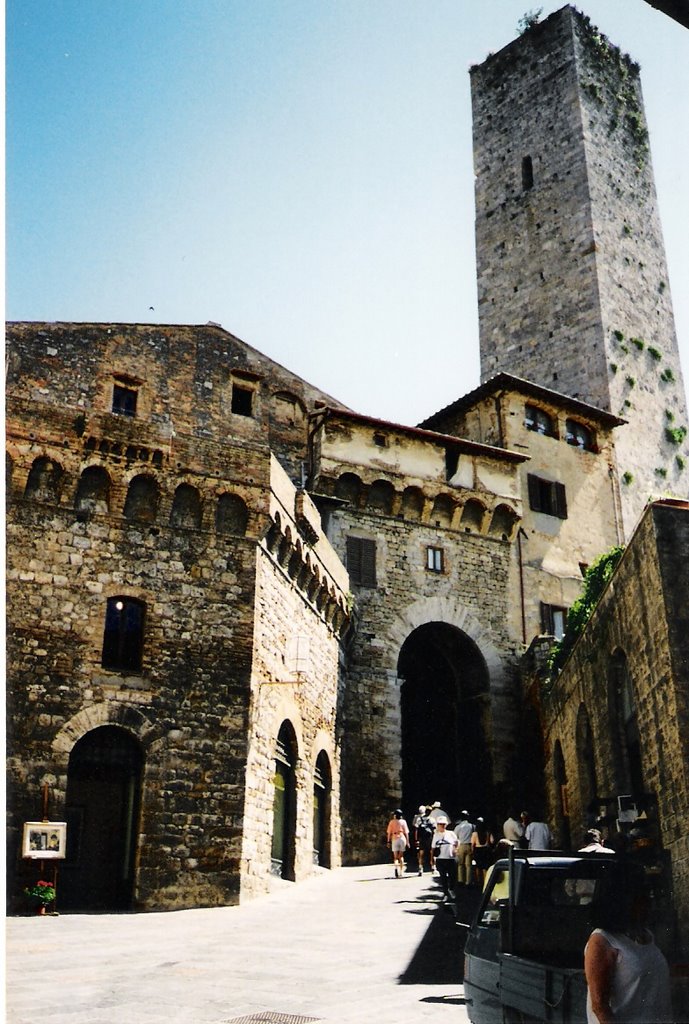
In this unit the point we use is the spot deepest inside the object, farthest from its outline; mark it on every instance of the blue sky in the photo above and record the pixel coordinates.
(299, 171)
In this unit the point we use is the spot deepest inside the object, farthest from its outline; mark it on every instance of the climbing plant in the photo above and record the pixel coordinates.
(595, 581)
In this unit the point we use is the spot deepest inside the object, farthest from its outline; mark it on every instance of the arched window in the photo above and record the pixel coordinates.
(123, 636)
(472, 516)
(93, 492)
(539, 420)
(562, 803)
(186, 508)
(231, 515)
(284, 803)
(348, 488)
(412, 504)
(141, 504)
(322, 790)
(588, 785)
(442, 511)
(503, 522)
(626, 740)
(579, 435)
(380, 496)
(44, 482)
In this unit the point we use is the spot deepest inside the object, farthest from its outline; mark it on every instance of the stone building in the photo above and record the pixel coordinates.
(573, 287)
(246, 622)
(615, 721)
(175, 615)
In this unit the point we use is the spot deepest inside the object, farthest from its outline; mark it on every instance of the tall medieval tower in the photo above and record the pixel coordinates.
(572, 279)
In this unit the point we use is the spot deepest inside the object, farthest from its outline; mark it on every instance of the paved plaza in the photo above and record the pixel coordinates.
(354, 945)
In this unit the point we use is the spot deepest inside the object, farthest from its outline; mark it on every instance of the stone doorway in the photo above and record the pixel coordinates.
(446, 751)
(284, 803)
(102, 812)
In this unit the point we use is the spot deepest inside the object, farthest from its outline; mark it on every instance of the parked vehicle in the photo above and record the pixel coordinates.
(524, 953)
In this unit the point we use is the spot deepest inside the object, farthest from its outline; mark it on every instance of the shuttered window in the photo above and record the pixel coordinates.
(361, 561)
(553, 620)
(547, 496)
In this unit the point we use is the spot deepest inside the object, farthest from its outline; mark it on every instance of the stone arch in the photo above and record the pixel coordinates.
(624, 727)
(283, 847)
(127, 716)
(186, 508)
(561, 799)
(348, 487)
(143, 498)
(412, 503)
(503, 522)
(44, 482)
(381, 495)
(232, 515)
(322, 809)
(442, 511)
(472, 516)
(93, 490)
(586, 762)
(446, 720)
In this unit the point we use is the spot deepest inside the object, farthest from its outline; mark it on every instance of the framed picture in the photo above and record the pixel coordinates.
(44, 840)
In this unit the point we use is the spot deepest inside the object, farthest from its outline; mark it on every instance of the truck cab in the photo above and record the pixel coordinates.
(524, 953)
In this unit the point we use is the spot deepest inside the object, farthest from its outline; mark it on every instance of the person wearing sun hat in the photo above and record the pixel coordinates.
(444, 848)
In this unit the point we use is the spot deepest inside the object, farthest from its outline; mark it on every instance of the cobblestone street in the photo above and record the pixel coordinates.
(354, 945)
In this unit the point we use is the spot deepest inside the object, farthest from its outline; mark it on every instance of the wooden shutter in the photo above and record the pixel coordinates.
(534, 492)
(560, 501)
(361, 561)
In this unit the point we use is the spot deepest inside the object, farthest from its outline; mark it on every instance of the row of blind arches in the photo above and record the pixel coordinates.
(412, 504)
(45, 483)
(292, 555)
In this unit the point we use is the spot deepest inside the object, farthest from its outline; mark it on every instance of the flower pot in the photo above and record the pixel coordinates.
(41, 910)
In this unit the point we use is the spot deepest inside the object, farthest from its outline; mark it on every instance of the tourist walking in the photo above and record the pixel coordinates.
(398, 840)
(538, 835)
(424, 827)
(463, 831)
(482, 843)
(513, 830)
(444, 848)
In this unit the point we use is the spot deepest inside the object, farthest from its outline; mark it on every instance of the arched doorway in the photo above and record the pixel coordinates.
(284, 803)
(102, 812)
(322, 788)
(445, 721)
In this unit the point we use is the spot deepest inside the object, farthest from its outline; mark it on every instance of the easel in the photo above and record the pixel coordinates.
(53, 912)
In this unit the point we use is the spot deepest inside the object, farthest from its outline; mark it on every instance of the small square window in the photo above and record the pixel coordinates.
(242, 400)
(434, 559)
(124, 400)
(553, 620)
(380, 440)
(547, 496)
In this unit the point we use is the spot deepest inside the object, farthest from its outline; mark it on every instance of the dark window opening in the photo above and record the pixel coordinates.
(242, 400)
(361, 561)
(434, 559)
(579, 436)
(124, 633)
(547, 496)
(124, 400)
(539, 420)
(553, 620)
(527, 173)
(231, 515)
(380, 440)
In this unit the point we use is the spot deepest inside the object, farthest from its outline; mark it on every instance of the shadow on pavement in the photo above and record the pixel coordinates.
(439, 958)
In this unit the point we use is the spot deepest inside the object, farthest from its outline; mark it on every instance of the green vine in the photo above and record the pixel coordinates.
(675, 435)
(595, 580)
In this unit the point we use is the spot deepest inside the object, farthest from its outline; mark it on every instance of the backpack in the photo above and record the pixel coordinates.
(426, 825)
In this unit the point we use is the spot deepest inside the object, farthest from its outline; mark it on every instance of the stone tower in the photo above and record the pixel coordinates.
(572, 279)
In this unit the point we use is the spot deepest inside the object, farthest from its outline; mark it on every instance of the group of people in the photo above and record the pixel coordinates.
(459, 855)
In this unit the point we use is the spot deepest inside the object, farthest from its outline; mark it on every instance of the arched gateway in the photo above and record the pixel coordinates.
(446, 749)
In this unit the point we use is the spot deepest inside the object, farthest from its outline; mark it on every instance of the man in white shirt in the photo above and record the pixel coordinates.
(444, 846)
(538, 835)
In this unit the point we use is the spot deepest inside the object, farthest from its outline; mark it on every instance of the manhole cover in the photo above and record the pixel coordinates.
(270, 1017)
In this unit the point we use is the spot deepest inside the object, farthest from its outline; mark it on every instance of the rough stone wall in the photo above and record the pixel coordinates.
(633, 618)
(189, 704)
(573, 283)
(550, 551)
(296, 678)
(471, 594)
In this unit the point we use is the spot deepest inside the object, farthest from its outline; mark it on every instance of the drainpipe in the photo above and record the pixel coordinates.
(521, 533)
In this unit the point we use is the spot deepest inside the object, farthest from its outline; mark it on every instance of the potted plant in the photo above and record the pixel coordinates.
(41, 894)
